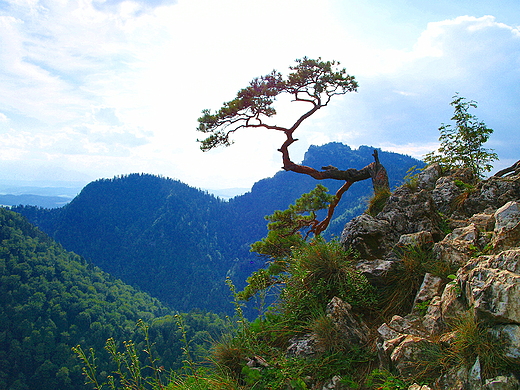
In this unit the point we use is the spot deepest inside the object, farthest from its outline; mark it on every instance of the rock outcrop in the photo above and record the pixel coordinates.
(472, 227)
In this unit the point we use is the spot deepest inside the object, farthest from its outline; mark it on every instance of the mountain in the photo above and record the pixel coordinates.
(37, 200)
(278, 192)
(52, 300)
(422, 295)
(150, 231)
(48, 195)
(179, 243)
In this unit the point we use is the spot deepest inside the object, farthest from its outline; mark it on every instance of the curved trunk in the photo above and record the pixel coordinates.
(375, 170)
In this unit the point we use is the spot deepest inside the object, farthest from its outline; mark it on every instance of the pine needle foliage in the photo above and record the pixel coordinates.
(287, 230)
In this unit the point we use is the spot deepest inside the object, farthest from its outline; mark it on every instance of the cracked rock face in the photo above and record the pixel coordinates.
(507, 226)
(366, 235)
(492, 286)
(458, 247)
(484, 244)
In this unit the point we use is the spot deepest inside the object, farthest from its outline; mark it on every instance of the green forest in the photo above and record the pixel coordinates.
(188, 240)
(52, 300)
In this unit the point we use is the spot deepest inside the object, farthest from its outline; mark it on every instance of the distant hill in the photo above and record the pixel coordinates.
(179, 243)
(48, 202)
(281, 190)
(152, 232)
(52, 300)
(14, 193)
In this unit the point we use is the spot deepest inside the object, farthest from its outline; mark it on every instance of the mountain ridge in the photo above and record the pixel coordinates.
(188, 240)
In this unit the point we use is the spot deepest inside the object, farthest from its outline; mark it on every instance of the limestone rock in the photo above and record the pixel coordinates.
(502, 383)
(420, 239)
(444, 194)
(411, 212)
(484, 245)
(428, 177)
(409, 325)
(509, 335)
(453, 379)
(432, 320)
(376, 271)
(483, 221)
(452, 302)
(366, 235)
(493, 292)
(352, 331)
(304, 346)
(407, 356)
(507, 226)
(415, 386)
(492, 194)
(431, 286)
(458, 247)
(508, 260)
(475, 376)
(333, 384)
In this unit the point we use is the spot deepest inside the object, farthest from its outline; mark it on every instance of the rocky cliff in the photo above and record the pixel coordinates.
(445, 253)
(461, 327)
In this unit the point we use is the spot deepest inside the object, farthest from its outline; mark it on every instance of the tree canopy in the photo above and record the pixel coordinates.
(311, 81)
(52, 300)
(462, 144)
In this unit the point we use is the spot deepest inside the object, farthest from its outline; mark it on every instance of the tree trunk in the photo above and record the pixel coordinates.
(375, 170)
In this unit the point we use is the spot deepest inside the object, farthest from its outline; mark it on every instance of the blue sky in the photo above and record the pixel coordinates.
(92, 88)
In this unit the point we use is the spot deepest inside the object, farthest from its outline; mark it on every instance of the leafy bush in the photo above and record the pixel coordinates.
(461, 146)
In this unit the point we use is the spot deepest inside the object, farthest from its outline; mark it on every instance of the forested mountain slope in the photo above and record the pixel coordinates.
(179, 243)
(281, 190)
(152, 232)
(52, 300)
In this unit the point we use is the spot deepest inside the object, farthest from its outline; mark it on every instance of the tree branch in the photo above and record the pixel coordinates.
(374, 170)
(513, 168)
(320, 227)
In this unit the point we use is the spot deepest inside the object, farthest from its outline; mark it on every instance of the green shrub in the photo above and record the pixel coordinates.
(384, 380)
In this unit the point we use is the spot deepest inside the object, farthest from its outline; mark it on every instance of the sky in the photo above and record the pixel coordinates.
(98, 88)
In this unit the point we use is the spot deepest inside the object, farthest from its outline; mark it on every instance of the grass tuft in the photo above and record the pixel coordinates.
(377, 202)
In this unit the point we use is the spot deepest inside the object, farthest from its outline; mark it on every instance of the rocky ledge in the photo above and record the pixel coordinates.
(473, 228)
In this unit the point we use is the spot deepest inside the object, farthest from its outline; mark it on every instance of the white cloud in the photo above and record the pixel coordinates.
(478, 57)
(117, 86)
(417, 150)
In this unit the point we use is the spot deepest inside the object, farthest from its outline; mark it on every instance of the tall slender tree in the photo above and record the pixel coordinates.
(462, 144)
